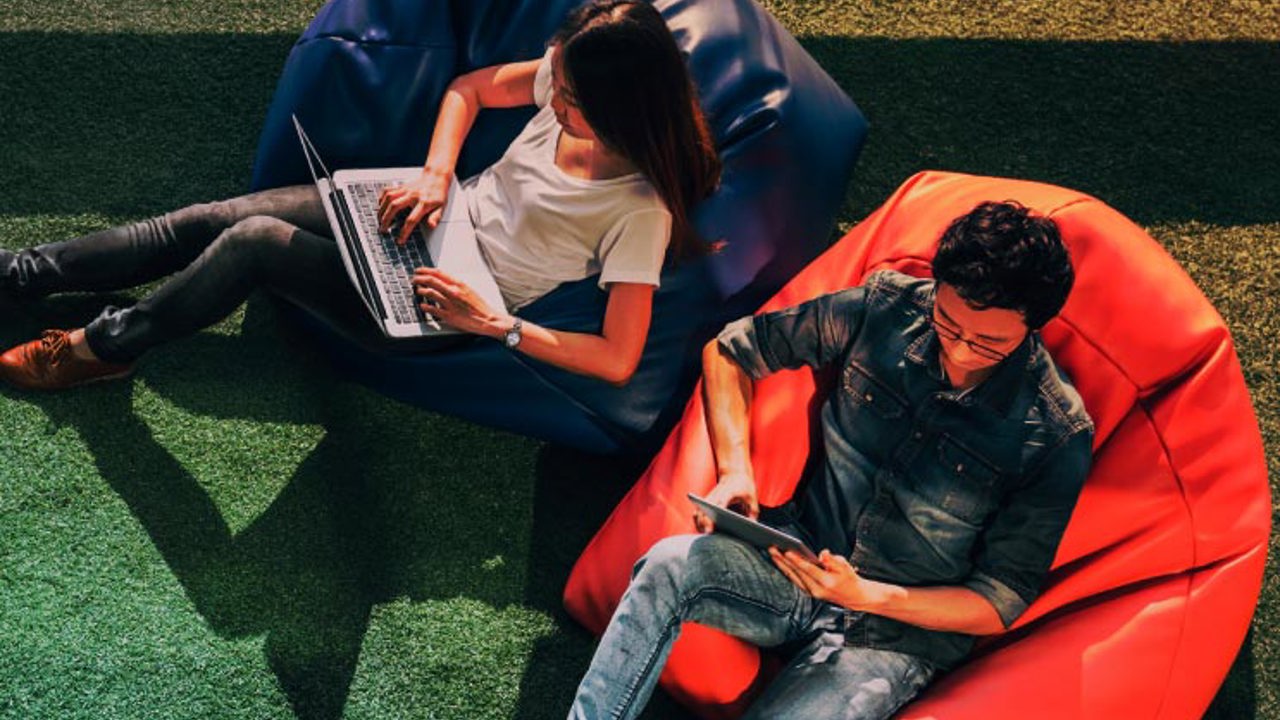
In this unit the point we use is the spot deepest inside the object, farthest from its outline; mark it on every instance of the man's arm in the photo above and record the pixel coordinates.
(950, 608)
(1011, 562)
(814, 333)
(726, 394)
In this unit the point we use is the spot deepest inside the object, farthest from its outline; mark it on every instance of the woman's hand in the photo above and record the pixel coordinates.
(736, 492)
(455, 304)
(422, 198)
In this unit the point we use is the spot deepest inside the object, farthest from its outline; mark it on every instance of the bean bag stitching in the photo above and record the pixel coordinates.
(372, 43)
(1077, 201)
(1177, 648)
(1143, 397)
(602, 423)
(1193, 364)
(1191, 520)
(1137, 389)
(1140, 404)
(1191, 576)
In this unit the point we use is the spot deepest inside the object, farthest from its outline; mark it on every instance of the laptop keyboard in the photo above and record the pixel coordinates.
(394, 263)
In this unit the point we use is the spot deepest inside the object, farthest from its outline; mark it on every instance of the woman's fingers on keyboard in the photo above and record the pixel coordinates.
(436, 278)
(387, 214)
(386, 198)
(411, 222)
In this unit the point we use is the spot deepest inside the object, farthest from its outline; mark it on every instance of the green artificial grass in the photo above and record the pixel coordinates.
(222, 537)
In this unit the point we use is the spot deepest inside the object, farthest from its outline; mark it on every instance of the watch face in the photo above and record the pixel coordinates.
(512, 338)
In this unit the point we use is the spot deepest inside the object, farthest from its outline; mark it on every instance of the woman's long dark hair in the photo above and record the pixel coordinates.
(632, 86)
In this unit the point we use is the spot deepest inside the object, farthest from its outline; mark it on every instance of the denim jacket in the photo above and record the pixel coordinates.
(919, 484)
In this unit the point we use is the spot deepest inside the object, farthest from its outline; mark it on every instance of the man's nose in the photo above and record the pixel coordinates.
(962, 352)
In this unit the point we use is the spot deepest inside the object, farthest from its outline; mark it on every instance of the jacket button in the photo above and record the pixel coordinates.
(960, 468)
(868, 397)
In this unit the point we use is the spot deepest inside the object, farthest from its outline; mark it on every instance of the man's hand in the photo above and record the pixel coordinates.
(455, 304)
(422, 198)
(736, 492)
(833, 580)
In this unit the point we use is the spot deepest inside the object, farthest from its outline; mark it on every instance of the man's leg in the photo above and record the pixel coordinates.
(829, 680)
(713, 580)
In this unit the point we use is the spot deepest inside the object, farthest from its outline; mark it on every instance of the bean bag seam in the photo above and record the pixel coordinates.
(1191, 521)
(600, 422)
(1081, 604)
(1083, 199)
(375, 43)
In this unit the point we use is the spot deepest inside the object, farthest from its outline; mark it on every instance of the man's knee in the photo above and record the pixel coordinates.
(667, 555)
(670, 566)
(687, 561)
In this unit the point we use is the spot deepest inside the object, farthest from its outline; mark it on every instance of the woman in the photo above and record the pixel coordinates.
(601, 180)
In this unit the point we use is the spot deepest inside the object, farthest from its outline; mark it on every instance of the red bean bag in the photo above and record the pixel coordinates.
(1157, 576)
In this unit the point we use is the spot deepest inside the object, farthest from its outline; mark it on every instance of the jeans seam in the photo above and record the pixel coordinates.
(629, 697)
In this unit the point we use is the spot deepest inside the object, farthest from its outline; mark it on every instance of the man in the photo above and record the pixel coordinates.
(953, 451)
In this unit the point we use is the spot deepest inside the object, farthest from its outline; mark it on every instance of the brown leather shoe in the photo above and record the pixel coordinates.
(49, 364)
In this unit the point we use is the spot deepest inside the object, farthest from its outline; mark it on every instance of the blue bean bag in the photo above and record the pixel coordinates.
(366, 78)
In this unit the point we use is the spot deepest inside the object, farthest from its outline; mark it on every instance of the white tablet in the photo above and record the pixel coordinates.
(750, 531)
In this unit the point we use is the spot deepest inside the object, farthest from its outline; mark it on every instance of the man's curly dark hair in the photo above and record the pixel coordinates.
(1000, 255)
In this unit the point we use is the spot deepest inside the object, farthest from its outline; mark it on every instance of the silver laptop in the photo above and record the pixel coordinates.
(382, 270)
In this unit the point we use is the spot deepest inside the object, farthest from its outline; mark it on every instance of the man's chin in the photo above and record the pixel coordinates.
(965, 368)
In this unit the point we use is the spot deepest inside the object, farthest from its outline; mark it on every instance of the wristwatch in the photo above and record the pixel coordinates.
(512, 338)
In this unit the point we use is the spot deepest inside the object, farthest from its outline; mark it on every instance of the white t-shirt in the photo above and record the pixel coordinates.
(538, 227)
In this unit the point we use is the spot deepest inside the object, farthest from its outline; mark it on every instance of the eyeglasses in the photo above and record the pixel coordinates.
(953, 335)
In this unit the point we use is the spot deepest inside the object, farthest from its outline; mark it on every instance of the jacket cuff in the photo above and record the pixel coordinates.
(738, 339)
(1008, 604)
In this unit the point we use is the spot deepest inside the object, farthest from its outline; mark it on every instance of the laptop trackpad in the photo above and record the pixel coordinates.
(454, 249)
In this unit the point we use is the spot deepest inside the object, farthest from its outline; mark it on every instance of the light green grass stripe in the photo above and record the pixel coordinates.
(1034, 20)
(1009, 19)
(160, 17)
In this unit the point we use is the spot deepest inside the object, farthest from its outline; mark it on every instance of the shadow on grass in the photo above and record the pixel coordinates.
(1237, 699)
(574, 495)
(1162, 131)
(360, 522)
(131, 125)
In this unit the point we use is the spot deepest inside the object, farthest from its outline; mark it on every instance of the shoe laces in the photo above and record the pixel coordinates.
(55, 345)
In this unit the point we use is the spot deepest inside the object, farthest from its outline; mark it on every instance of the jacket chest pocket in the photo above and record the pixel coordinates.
(873, 414)
(872, 395)
(959, 482)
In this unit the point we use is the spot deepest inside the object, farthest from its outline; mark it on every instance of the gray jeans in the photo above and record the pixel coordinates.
(214, 256)
(720, 582)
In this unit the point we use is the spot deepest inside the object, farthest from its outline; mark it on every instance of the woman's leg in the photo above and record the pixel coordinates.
(130, 255)
(256, 252)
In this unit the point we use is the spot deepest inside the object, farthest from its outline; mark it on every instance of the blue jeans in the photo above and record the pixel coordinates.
(719, 582)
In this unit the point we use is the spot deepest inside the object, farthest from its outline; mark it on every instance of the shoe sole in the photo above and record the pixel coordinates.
(82, 383)
(102, 379)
